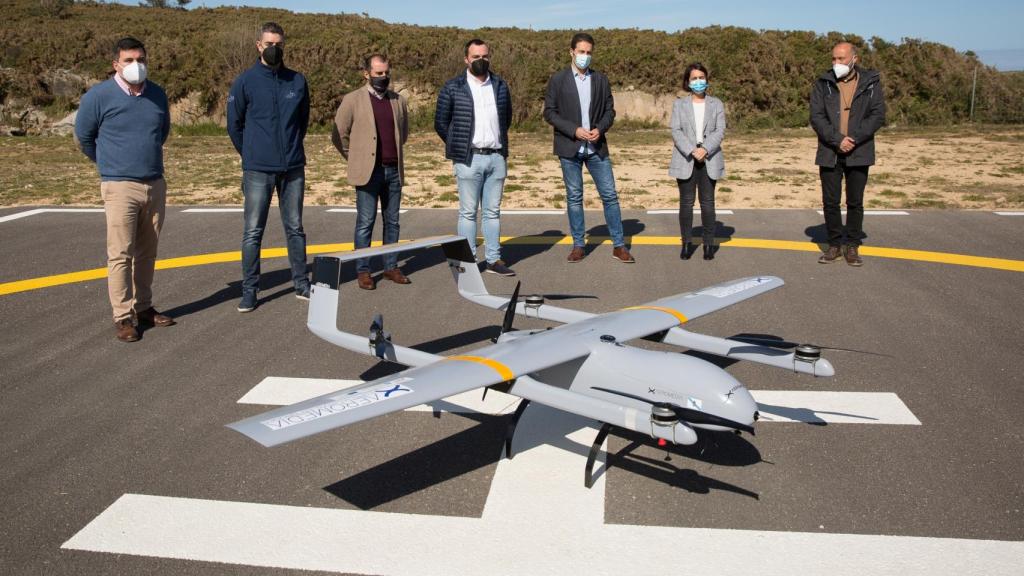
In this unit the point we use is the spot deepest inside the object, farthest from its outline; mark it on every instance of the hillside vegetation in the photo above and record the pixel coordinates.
(763, 76)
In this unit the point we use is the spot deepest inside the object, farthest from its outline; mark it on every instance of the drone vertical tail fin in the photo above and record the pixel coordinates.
(465, 270)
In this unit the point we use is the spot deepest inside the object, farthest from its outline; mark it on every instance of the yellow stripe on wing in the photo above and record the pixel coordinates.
(677, 314)
(504, 371)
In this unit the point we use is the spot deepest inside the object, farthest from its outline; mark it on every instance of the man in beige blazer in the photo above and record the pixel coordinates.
(370, 129)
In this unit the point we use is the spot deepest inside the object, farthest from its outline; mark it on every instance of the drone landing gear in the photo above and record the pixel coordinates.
(588, 473)
(511, 431)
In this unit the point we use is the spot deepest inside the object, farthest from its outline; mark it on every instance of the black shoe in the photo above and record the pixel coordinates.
(687, 251)
(709, 251)
(248, 303)
(499, 267)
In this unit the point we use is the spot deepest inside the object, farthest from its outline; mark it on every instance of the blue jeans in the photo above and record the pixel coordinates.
(386, 184)
(258, 188)
(601, 171)
(480, 186)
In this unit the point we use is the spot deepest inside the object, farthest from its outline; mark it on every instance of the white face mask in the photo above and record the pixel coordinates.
(841, 70)
(134, 73)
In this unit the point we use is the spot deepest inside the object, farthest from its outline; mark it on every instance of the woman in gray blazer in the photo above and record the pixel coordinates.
(698, 127)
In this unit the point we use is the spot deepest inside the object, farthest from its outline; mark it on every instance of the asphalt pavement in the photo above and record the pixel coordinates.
(85, 419)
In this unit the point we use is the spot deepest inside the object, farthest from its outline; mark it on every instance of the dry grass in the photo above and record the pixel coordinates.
(961, 167)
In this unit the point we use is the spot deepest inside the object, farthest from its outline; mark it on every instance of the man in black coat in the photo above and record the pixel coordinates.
(579, 105)
(847, 108)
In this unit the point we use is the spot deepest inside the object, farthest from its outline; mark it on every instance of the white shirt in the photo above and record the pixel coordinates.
(486, 132)
(698, 120)
(583, 86)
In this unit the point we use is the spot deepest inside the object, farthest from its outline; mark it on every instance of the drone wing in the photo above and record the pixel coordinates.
(452, 375)
(666, 313)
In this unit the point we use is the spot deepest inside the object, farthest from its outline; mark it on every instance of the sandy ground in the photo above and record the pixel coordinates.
(961, 167)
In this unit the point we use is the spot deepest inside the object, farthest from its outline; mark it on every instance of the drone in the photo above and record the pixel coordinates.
(584, 366)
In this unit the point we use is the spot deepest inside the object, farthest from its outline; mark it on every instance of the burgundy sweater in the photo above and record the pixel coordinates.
(384, 117)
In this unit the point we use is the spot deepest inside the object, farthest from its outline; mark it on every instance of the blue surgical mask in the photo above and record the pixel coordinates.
(699, 86)
(582, 61)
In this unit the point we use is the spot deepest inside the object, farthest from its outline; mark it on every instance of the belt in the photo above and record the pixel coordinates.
(486, 150)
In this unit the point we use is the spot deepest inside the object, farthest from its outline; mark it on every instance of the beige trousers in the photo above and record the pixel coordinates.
(135, 214)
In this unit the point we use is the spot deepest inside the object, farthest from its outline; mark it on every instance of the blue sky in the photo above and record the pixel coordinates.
(984, 26)
(978, 25)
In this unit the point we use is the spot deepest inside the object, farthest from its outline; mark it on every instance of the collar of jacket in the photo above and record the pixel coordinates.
(867, 76)
(389, 94)
(495, 80)
(268, 71)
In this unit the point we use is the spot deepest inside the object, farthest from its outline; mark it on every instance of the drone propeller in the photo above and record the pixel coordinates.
(510, 310)
(780, 343)
(688, 415)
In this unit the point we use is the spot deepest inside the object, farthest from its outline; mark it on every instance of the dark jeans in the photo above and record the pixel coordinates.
(697, 183)
(386, 185)
(832, 194)
(258, 188)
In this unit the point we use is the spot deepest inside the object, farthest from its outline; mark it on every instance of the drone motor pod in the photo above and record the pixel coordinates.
(807, 354)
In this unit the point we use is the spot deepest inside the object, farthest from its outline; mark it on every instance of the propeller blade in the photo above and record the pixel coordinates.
(697, 417)
(780, 343)
(688, 415)
(510, 310)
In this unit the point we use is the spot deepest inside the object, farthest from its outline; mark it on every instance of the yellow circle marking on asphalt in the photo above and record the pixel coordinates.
(758, 243)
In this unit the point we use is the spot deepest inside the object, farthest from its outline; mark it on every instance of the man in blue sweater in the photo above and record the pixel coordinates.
(268, 112)
(121, 125)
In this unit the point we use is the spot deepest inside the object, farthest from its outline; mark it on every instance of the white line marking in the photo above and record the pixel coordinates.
(833, 407)
(279, 391)
(353, 210)
(1010, 213)
(213, 210)
(538, 519)
(33, 212)
(877, 212)
(386, 543)
(531, 212)
(695, 211)
(774, 405)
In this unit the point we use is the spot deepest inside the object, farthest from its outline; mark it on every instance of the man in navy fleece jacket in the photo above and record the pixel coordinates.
(268, 112)
(121, 125)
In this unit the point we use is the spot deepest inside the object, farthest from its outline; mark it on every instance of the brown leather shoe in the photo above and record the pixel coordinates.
(365, 281)
(852, 257)
(831, 255)
(151, 317)
(396, 276)
(126, 332)
(622, 255)
(576, 255)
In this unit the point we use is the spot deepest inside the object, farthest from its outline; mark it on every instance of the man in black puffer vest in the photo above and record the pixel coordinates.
(473, 114)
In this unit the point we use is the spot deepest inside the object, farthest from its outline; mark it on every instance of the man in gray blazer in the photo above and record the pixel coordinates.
(579, 105)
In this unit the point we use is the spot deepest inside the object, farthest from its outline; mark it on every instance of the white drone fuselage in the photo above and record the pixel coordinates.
(661, 377)
(583, 366)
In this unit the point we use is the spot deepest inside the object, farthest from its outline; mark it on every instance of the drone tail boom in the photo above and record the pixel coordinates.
(322, 319)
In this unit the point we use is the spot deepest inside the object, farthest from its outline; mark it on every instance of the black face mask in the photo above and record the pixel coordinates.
(380, 83)
(479, 67)
(273, 55)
